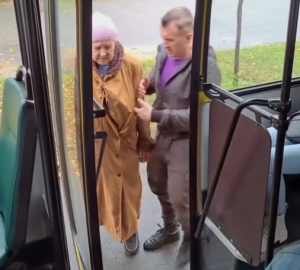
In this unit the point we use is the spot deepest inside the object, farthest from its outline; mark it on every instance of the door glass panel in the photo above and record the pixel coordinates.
(62, 79)
(10, 53)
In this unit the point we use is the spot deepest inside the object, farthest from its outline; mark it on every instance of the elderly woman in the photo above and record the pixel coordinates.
(116, 77)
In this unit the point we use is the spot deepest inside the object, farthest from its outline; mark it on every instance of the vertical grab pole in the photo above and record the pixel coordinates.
(199, 66)
(84, 9)
(283, 123)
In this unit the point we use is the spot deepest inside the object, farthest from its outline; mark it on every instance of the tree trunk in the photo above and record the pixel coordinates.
(238, 43)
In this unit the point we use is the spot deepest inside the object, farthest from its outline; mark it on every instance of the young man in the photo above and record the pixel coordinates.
(168, 166)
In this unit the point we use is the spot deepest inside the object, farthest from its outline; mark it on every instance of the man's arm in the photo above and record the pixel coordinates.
(172, 120)
(178, 120)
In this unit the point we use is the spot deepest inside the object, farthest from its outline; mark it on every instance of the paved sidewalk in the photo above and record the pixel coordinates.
(138, 24)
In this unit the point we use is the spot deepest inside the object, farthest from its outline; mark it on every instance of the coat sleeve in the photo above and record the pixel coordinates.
(177, 121)
(145, 142)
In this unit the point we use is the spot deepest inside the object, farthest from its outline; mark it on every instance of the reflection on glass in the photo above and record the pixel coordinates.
(67, 37)
(63, 85)
(10, 53)
(262, 45)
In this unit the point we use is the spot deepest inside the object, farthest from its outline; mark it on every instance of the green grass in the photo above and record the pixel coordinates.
(258, 64)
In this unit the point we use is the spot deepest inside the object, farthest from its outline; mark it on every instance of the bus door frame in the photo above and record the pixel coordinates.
(33, 58)
(84, 10)
(197, 97)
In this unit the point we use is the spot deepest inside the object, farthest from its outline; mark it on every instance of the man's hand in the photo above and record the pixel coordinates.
(144, 157)
(144, 111)
(143, 86)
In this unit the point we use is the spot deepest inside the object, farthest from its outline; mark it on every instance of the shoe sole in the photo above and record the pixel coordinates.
(131, 252)
(181, 265)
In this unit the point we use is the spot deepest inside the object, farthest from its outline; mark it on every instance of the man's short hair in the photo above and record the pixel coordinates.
(181, 16)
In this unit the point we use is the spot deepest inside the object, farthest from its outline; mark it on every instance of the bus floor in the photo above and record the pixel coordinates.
(114, 256)
(113, 252)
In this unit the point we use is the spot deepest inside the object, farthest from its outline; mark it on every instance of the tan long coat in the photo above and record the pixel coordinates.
(119, 187)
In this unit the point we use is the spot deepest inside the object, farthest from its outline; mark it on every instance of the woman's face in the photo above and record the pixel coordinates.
(103, 52)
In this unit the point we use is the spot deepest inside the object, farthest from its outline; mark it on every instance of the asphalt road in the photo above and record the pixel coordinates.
(138, 24)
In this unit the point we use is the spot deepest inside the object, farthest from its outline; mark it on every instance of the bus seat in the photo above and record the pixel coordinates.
(18, 135)
(292, 217)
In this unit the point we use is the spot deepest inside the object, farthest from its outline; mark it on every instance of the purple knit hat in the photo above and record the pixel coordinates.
(103, 28)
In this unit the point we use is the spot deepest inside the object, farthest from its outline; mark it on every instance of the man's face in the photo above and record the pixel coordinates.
(175, 41)
(103, 52)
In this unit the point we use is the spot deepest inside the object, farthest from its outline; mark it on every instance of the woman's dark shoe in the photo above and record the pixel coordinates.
(132, 245)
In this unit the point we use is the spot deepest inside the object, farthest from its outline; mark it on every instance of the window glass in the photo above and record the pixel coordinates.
(261, 37)
(10, 54)
(61, 71)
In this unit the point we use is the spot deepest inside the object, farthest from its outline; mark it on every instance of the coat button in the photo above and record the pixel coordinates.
(118, 174)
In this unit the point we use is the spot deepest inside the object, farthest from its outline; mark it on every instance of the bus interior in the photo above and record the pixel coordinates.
(48, 203)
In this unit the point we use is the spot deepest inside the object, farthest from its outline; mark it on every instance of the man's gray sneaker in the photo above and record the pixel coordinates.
(162, 237)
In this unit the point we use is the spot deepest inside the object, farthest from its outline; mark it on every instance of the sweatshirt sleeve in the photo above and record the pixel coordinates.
(174, 121)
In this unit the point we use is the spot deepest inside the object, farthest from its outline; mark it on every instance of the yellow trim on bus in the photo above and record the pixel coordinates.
(202, 99)
(78, 256)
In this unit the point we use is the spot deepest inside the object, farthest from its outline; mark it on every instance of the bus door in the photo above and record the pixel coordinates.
(227, 209)
(70, 80)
